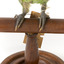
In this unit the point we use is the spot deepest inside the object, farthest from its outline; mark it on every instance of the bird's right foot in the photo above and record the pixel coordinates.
(19, 21)
(43, 20)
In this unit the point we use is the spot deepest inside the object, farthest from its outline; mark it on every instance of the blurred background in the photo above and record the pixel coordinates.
(13, 42)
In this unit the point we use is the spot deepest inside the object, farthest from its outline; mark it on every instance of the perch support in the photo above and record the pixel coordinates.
(32, 55)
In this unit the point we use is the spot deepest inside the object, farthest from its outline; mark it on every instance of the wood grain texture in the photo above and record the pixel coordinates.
(44, 58)
(31, 25)
(31, 52)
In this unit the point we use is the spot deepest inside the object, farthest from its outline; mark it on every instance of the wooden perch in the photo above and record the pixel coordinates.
(31, 25)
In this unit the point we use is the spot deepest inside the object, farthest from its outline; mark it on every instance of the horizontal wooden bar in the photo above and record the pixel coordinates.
(31, 25)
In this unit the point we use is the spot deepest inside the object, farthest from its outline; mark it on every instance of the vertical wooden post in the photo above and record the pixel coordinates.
(31, 52)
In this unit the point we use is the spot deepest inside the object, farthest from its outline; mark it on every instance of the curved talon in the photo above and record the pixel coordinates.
(15, 17)
(40, 29)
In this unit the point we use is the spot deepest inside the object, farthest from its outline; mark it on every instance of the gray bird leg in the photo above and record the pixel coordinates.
(20, 18)
(42, 17)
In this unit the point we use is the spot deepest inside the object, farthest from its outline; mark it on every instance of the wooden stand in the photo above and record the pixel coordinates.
(32, 55)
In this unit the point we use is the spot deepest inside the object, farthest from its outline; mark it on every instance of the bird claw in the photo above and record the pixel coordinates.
(42, 21)
(19, 21)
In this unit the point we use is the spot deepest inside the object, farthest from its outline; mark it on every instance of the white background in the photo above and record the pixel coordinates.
(12, 42)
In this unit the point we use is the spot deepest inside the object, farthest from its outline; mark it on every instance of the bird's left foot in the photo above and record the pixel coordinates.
(43, 18)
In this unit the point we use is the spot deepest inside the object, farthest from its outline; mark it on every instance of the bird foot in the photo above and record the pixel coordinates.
(42, 21)
(19, 21)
